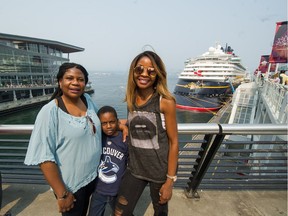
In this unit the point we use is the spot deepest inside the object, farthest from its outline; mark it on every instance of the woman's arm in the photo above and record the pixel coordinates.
(64, 197)
(168, 107)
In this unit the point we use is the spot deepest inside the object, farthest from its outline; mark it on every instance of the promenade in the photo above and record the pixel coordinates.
(38, 200)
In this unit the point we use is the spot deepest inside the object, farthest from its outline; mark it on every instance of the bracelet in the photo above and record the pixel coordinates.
(64, 196)
(174, 178)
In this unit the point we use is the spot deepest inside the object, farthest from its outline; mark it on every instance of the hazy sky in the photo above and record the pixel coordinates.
(113, 32)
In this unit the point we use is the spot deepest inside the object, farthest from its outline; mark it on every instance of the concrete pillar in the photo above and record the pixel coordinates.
(30, 93)
(14, 96)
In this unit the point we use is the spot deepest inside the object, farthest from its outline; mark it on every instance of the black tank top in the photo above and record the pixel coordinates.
(148, 142)
(62, 105)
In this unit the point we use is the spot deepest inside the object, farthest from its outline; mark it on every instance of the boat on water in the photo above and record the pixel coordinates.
(28, 69)
(209, 80)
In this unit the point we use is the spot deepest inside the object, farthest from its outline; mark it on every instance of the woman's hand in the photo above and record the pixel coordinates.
(66, 204)
(65, 199)
(165, 192)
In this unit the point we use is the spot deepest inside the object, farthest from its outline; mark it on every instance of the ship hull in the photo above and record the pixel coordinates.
(202, 96)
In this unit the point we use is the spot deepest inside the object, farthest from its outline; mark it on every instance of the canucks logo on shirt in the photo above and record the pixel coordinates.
(107, 170)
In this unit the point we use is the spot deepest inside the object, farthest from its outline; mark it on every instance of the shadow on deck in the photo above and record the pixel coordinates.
(30, 200)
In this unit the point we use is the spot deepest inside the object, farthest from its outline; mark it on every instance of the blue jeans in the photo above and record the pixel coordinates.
(98, 204)
(130, 191)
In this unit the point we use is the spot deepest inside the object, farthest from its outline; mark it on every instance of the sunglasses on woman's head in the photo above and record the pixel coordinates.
(150, 70)
(92, 125)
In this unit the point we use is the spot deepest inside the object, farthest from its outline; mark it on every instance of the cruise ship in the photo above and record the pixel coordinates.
(207, 81)
(28, 68)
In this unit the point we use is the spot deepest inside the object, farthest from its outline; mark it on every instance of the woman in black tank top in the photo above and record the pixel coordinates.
(153, 138)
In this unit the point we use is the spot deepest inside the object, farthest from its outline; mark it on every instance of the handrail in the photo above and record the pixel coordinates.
(198, 128)
(256, 129)
(16, 129)
(184, 128)
(224, 156)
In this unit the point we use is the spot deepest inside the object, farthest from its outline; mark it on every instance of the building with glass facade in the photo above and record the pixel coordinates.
(28, 66)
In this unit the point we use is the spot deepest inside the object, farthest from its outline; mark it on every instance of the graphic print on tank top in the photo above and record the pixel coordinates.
(143, 129)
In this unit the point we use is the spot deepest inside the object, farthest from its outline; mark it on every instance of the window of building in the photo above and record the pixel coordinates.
(22, 46)
(33, 47)
(43, 49)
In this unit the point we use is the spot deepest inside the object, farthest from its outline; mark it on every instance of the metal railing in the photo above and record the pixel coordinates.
(211, 156)
(14, 140)
(273, 96)
(232, 156)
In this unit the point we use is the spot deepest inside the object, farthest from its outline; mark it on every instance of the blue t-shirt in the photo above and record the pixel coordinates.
(112, 165)
(68, 141)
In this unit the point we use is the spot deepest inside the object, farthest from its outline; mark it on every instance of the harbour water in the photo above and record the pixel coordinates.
(109, 89)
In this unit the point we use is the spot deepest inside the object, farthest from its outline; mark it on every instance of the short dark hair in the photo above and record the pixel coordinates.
(107, 109)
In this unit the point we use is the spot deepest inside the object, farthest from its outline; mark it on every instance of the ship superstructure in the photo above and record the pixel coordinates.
(207, 80)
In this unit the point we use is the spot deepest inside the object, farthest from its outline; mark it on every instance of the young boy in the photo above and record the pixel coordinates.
(112, 165)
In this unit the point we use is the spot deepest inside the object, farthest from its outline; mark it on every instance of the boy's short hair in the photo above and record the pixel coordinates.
(106, 109)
